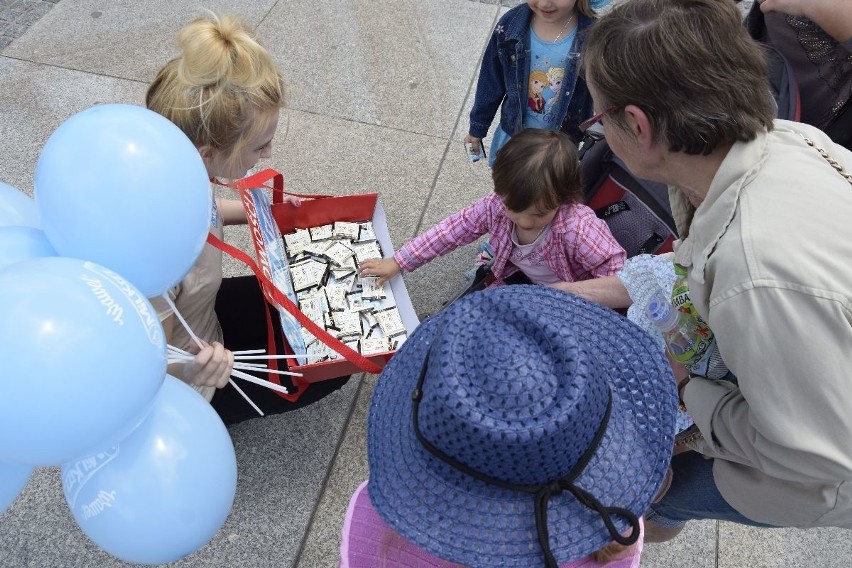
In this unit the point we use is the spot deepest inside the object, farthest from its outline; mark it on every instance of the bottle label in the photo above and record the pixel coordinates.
(702, 332)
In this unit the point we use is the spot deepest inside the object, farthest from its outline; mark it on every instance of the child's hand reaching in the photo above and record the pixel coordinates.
(292, 200)
(384, 268)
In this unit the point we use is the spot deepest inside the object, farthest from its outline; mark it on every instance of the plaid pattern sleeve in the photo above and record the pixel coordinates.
(457, 230)
(592, 250)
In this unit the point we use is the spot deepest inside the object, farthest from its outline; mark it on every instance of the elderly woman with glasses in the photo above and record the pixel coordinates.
(763, 208)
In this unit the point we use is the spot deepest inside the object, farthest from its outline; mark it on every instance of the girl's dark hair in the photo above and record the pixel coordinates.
(537, 167)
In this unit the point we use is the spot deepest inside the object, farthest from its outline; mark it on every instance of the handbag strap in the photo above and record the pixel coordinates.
(831, 161)
(260, 179)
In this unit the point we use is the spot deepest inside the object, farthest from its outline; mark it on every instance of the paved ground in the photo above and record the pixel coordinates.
(381, 94)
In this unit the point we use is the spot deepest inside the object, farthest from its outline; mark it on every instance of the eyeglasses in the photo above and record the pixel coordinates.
(593, 127)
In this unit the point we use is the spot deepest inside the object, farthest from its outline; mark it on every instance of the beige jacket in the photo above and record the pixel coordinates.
(769, 258)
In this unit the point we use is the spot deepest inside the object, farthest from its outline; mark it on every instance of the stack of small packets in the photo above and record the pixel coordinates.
(324, 265)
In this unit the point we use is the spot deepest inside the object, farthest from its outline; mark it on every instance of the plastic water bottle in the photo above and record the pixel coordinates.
(681, 331)
(711, 365)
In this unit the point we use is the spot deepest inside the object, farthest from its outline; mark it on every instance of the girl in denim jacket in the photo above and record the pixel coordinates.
(534, 40)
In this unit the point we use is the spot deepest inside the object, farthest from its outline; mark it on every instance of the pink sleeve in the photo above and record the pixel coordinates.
(459, 229)
(596, 252)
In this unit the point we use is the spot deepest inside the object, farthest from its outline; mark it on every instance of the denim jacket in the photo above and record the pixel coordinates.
(504, 74)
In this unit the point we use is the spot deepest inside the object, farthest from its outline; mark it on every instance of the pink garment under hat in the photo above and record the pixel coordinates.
(368, 542)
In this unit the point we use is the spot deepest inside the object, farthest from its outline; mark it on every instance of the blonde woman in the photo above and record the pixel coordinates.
(226, 93)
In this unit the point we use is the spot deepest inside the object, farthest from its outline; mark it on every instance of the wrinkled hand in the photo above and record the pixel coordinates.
(474, 142)
(384, 268)
(211, 366)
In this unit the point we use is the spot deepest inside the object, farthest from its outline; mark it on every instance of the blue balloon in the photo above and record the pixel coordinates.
(13, 477)
(22, 243)
(83, 356)
(165, 490)
(122, 186)
(17, 208)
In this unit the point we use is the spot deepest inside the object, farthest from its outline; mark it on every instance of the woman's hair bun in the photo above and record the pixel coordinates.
(220, 50)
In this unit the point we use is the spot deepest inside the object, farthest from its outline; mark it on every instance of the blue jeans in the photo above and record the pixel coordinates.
(693, 495)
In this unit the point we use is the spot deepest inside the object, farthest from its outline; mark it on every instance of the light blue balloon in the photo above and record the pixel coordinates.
(17, 208)
(13, 478)
(22, 243)
(83, 356)
(165, 490)
(122, 186)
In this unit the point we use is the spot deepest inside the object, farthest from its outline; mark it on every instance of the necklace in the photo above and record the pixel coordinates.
(534, 239)
(565, 27)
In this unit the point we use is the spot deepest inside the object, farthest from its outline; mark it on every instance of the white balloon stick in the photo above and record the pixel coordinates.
(183, 321)
(245, 396)
(246, 377)
(262, 370)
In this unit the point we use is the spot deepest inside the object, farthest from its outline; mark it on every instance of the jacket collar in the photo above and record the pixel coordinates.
(716, 212)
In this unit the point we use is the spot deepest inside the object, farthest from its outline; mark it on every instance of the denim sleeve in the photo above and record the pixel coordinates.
(490, 89)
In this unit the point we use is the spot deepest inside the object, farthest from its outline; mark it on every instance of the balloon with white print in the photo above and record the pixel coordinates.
(123, 186)
(83, 356)
(162, 492)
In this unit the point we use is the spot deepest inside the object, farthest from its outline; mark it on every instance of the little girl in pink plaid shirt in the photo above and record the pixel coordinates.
(537, 224)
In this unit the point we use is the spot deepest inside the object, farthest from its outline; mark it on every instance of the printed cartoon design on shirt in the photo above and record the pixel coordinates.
(555, 75)
(548, 64)
(537, 84)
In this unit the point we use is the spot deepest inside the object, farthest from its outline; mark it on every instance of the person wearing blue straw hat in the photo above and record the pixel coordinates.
(520, 427)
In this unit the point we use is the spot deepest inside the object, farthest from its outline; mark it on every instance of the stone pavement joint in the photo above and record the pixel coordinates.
(16, 16)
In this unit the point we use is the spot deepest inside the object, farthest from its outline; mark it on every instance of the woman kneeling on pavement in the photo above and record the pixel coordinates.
(763, 207)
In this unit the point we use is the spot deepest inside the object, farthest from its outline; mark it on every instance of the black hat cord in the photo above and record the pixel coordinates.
(542, 492)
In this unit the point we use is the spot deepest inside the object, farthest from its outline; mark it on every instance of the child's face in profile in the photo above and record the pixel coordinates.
(532, 219)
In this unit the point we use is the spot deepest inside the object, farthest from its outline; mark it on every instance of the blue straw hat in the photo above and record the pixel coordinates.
(544, 428)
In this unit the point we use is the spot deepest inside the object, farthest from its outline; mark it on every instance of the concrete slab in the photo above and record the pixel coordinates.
(322, 542)
(125, 38)
(394, 63)
(36, 99)
(695, 547)
(783, 548)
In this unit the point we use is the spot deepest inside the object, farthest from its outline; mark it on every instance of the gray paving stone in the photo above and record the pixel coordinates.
(351, 60)
(695, 547)
(322, 544)
(35, 100)
(741, 546)
(131, 40)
